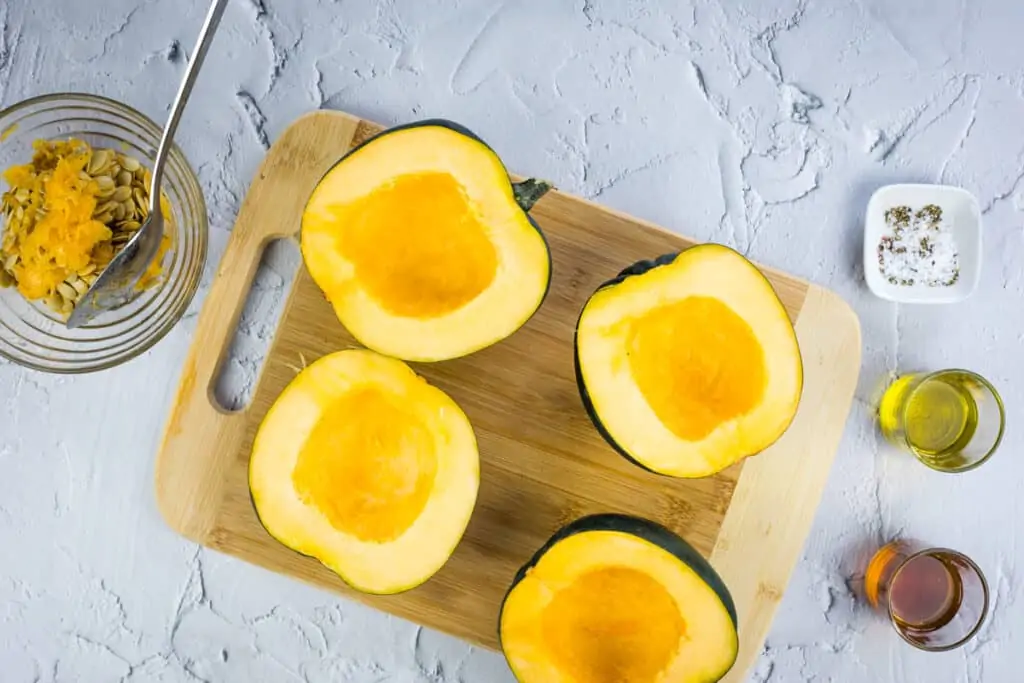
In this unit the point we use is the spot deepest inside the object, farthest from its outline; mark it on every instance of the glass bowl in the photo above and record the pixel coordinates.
(33, 336)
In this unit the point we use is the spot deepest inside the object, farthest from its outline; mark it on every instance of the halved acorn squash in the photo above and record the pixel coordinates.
(363, 465)
(423, 245)
(612, 598)
(688, 363)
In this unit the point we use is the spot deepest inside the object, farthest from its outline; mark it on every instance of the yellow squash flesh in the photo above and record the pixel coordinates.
(363, 465)
(607, 607)
(417, 241)
(692, 365)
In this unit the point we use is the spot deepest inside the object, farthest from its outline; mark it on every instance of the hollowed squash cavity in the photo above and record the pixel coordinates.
(417, 245)
(613, 624)
(697, 363)
(368, 465)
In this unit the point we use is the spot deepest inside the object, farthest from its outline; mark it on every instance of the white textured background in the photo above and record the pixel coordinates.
(764, 124)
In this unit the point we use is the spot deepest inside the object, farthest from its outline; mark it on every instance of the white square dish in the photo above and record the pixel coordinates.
(960, 215)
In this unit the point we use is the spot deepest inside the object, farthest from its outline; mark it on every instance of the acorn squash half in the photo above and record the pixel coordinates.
(612, 598)
(688, 363)
(424, 246)
(363, 465)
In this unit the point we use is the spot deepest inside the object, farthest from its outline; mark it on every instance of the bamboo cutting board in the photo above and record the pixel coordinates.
(542, 462)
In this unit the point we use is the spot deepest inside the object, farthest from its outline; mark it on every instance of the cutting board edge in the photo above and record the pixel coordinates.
(789, 476)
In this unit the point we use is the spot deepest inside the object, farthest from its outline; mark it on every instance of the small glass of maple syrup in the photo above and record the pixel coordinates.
(936, 598)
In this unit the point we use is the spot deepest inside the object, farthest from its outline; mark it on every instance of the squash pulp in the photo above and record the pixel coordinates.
(423, 245)
(612, 598)
(689, 363)
(363, 465)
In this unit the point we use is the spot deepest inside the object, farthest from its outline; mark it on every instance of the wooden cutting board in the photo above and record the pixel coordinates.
(542, 462)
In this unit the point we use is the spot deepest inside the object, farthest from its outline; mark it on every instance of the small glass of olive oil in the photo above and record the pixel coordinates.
(952, 420)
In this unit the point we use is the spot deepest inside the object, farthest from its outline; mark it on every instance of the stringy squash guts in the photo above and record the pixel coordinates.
(689, 363)
(363, 465)
(618, 599)
(67, 214)
(417, 245)
(63, 239)
(423, 246)
(698, 364)
(612, 625)
(368, 466)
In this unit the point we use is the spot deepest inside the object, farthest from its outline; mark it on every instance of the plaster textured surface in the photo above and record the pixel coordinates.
(763, 125)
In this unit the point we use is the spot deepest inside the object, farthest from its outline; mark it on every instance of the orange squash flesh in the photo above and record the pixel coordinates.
(698, 364)
(368, 465)
(613, 624)
(417, 245)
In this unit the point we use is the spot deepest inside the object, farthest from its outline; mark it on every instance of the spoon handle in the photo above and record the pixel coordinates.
(181, 99)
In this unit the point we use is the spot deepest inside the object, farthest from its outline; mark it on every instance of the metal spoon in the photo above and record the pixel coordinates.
(116, 285)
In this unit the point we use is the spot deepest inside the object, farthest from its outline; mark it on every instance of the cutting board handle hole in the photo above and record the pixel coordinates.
(241, 367)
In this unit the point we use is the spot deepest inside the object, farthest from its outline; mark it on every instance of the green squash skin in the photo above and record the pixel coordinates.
(647, 530)
(638, 268)
(465, 132)
(346, 581)
(653, 533)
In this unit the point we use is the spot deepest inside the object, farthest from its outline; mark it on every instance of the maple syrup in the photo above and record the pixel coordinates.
(935, 597)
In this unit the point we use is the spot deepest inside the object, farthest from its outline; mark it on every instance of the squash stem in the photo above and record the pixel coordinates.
(529, 191)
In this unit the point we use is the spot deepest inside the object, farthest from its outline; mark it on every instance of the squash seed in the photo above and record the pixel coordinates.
(54, 302)
(80, 286)
(6, 279)
(105, 207)
(125, 178)
(130, 164)
(10, 262)
(88, 270)
(122, 193)
(141, 200)
(101, 158)
(119, 212)
(67, 291)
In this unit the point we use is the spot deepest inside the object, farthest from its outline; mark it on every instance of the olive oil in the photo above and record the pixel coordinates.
(936, 416)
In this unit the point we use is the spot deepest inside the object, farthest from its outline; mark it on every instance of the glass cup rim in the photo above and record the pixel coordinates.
(984, 591)
(74, 95)
(935, 374)
(126, 112)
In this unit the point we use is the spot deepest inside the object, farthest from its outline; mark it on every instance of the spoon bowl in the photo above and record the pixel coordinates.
(118, 284)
